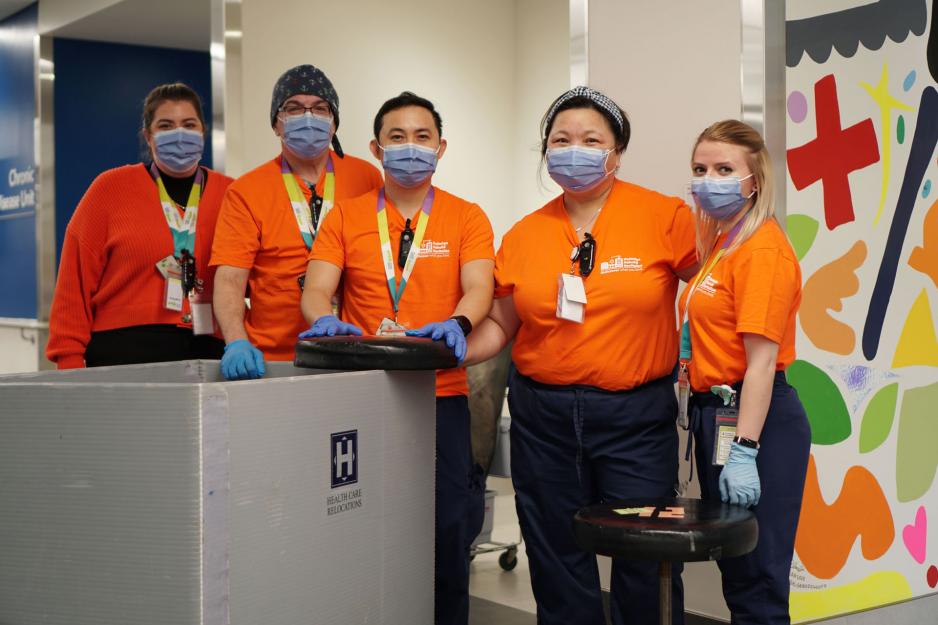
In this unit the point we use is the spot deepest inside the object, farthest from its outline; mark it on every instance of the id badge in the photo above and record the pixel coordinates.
(683, 395)
(571, 298)
(726, 420)
(390, 328)
(202, 322)
(173, 295)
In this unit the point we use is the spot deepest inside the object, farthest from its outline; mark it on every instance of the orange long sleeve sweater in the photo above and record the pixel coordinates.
(107, 273)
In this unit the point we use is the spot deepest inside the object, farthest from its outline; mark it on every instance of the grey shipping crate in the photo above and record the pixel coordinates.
(161, 495)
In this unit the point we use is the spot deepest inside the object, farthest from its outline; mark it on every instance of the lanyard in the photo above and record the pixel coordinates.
(397, 291)
(301, 208)
(701, 277)
(182, 226)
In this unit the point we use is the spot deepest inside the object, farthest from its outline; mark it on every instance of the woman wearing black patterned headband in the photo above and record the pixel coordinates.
(586, 288)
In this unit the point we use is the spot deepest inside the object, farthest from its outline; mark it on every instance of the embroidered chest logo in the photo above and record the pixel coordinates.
(617, 264)
(708, 286)
(433, 249)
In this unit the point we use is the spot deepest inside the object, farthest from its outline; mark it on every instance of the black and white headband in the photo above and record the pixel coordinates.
(601, 100)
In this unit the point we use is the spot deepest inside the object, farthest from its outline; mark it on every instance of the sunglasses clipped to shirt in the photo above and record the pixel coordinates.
(585, 255)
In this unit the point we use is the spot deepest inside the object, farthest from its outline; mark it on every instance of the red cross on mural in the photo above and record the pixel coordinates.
(833, 154)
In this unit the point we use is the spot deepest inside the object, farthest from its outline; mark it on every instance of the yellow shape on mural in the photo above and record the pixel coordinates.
(885, 101)
(878, 589)
(917, 343)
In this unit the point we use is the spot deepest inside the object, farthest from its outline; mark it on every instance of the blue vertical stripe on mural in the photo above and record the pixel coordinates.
(920, 154)
(17, 165)
(99, 92)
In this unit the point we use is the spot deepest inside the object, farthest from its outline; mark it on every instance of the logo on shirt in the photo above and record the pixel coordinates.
(708, 286)
(433, 249)
(344, 458)
(617, 264)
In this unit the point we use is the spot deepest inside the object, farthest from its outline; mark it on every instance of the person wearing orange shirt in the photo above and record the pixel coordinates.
(270, 217)
(586, 288)
(134, 284)
(442, 281)
(737, 339)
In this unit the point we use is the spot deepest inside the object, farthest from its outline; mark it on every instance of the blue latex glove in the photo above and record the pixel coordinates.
(739, 480)
(330, 325)
(242, 361)
(448, 330)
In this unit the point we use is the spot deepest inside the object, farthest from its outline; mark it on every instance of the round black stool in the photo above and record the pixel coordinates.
(364, 353)
(666, 530)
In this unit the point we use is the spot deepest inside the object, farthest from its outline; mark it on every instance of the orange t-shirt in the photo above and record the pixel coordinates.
(756, 288)
(458, 232)
(257, 230)
(627, 336)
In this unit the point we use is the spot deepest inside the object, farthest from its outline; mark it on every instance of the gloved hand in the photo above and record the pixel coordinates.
(330, 325)
(448, 330)
(242, 361)
(739, 480)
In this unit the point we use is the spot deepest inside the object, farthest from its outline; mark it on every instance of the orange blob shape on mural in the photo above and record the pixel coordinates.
(825, 291)
(826, 533)
(924, 257)
(917, 343)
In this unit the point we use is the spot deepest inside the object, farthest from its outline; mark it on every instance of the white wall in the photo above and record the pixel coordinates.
(663, 64)
(54, 14)
(491, 67)
(542, 61)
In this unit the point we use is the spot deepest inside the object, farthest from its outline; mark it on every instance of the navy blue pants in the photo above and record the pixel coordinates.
(576, 446)
(756, 585)
(460, 506)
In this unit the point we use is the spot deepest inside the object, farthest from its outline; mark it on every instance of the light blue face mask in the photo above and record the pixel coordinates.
(576, 168)
(307, 135)
(178, 150)
(409, 164)
(721, 198)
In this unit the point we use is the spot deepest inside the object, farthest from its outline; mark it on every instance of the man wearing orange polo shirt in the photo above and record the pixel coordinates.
(442, 285)
(270, 217)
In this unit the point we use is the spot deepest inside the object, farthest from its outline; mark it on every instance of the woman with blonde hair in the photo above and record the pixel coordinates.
(737, 339)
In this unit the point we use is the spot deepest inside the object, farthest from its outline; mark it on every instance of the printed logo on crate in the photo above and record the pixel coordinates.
(344, 458)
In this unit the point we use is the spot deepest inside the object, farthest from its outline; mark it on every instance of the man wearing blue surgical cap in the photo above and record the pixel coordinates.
(270, 217)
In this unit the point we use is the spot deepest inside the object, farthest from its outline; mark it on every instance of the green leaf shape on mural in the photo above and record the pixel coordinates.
(916, 452)
(823, 402)
(878, 418)
(801, 230)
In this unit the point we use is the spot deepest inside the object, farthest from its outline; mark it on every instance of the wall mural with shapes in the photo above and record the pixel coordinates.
(862, 132)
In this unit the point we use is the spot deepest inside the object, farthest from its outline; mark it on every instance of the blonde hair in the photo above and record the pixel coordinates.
(735, 132)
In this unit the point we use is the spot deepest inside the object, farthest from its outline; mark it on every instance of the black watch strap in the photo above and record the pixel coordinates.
(746, 442)
(464, 324)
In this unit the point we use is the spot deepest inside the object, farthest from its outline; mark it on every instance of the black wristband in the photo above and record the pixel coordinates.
(464, 324)
(746, 442)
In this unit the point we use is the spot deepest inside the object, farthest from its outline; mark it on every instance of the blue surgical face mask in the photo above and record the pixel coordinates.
(307, 135)
(576, 168)
(409, 164)
(720, 198)
(178, 150)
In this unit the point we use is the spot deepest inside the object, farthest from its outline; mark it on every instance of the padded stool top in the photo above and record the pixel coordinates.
(365, 353)
(668, 529)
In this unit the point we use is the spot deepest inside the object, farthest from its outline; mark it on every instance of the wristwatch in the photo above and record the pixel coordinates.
(464, 324)
(746, 442)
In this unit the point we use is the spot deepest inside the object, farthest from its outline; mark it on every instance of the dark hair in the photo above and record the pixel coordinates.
(407, 98)
(175, 92)
(621, 135)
